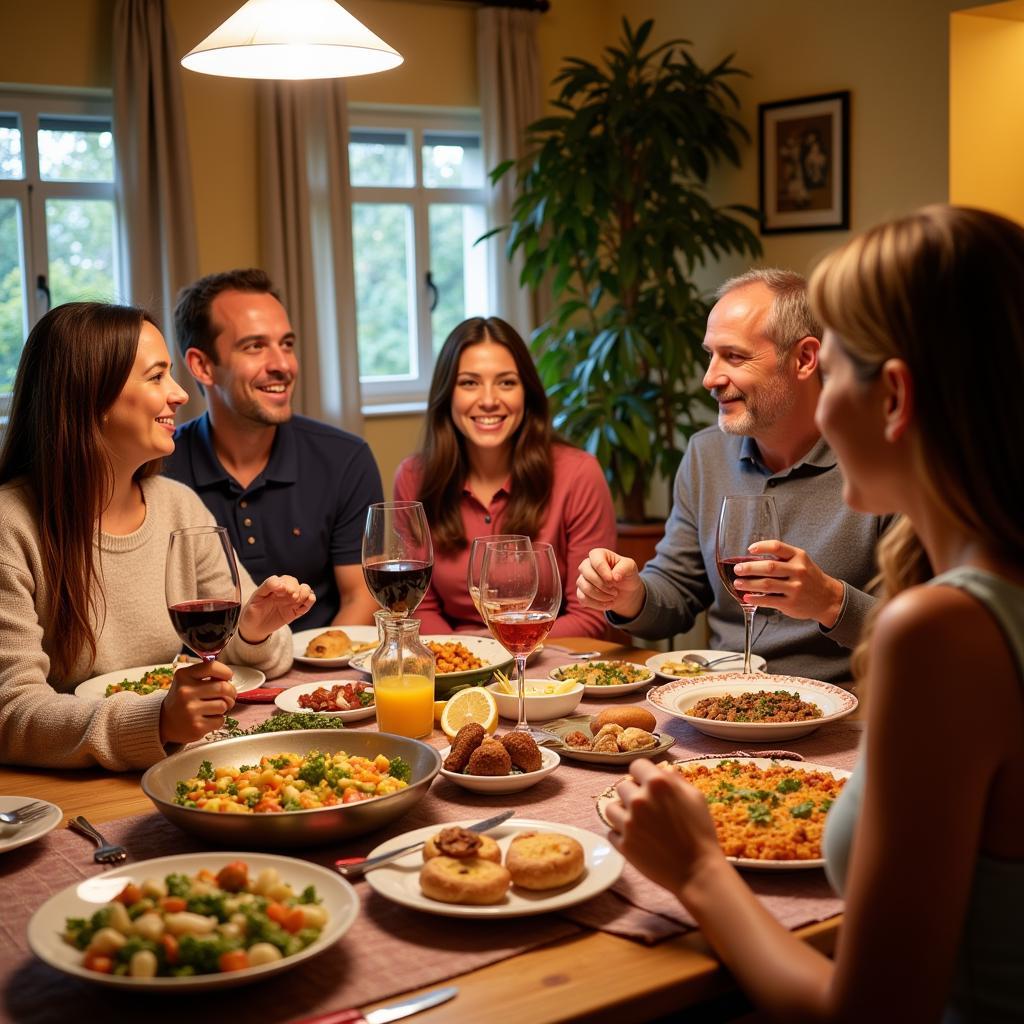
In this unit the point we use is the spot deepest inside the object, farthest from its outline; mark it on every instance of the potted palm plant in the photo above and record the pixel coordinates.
(613, 218)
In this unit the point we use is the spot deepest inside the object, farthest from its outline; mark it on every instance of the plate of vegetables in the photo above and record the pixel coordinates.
(347, 699)
(147, 679)
(193, 921)
(606, 678)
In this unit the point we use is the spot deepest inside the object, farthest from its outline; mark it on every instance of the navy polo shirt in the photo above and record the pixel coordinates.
(303, 515)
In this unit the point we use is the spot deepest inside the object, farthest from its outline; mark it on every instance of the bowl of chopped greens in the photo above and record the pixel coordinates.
(291, 788)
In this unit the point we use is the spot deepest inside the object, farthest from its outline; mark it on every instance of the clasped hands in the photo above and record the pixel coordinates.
(201, 694)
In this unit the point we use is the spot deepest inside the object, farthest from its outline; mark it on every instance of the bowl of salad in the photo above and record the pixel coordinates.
(291, 789)
(606, 678)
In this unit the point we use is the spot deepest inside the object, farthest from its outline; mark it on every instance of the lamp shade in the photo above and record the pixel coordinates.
(291, 39)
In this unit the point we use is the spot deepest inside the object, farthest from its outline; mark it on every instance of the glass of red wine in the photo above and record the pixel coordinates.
(520, 595)
(201, 585)
(398, 556)
(745, 519)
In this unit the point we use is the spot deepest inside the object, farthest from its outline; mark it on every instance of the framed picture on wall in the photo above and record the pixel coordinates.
(804, 164)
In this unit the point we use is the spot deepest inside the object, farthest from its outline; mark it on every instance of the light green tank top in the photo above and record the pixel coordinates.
(989, 981)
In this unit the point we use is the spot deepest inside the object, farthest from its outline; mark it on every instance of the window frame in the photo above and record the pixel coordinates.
(32, 191)
(385, 395)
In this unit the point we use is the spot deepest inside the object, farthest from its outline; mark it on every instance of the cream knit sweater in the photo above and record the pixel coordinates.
(42, 722)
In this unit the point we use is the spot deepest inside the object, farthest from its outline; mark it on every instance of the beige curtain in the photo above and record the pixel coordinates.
(153, 176)
(510, 98)
(307, 239)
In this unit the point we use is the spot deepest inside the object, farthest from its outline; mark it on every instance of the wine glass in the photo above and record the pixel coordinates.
(398, 556)
(204, 598)
(476, 560)
(745, 518)
(520, 594)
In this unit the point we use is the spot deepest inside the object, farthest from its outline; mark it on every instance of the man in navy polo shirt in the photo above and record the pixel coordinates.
(292, 492)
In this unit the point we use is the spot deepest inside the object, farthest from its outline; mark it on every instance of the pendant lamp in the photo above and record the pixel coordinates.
(291, 39)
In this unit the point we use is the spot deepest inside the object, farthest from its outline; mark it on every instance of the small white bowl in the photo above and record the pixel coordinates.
(540, 707)
(549, 761)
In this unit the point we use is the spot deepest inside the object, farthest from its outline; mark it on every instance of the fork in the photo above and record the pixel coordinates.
(108, 853)
(24, 813)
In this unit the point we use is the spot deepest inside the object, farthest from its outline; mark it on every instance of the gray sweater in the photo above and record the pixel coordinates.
(682, 580)
(42, 722)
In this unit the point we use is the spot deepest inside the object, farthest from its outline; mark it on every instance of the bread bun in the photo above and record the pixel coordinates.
(335, 643)
(631, 717)
(472, 881)
(544, 860)
(488, 849)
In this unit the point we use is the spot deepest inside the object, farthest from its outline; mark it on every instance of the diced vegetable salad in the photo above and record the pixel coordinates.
(293, 782)
(206, 923)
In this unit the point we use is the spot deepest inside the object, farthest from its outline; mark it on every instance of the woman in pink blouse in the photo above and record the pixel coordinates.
(490, 464)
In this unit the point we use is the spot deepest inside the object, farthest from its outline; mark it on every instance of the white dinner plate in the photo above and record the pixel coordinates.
(244, 678)
(610, 796)
(596, 689)
(357, 634)
(655, 661)
(288, 700)
(488, 650)
(676, 699)
(516, 783)
(13, 836)
(83, 899)
(400, 880)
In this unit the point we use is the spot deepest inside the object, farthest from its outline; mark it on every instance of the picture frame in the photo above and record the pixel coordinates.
(804, 164)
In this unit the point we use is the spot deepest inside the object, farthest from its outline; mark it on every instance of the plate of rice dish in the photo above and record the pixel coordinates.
(604, 678)
(146, 679)
(769, 815)
(755, 707)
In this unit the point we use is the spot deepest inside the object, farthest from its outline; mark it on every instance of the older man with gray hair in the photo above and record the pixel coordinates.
(762, 344)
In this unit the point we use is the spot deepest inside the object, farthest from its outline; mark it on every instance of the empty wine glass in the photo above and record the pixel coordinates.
(745, 519)
(201, 585)
(398, 556)
(476, 560)
(521, 595)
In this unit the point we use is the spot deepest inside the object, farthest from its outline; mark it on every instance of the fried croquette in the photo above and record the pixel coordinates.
(637, 739)
(467, 739)
(490, 758)
(523, 750)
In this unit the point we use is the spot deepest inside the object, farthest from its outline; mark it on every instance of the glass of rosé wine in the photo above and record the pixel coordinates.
(744, 520)
(520, 596)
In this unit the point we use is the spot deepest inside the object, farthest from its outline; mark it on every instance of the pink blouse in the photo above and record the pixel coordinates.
(580, 516)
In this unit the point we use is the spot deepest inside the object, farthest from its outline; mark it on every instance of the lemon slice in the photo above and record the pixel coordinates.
(474, 704)
(439, 709)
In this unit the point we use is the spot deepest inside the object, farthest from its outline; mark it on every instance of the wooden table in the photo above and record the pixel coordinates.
(603, 977)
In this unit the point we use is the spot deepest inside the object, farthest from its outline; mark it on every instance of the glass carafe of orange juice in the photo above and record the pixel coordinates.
(403, 680)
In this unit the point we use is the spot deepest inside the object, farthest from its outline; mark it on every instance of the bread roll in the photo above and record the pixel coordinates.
(472, 881)
(487, 850)
(631, 717)
(544, 860)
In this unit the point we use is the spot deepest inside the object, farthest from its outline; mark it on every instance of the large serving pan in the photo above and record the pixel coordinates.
(291, 828)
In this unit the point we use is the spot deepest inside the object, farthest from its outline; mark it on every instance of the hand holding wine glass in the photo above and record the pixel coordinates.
(398, 556)
(521, 595)
(476, 560)
(203, 595)
(745, 519)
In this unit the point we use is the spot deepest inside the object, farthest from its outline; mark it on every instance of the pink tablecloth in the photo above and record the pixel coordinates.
(390, 949)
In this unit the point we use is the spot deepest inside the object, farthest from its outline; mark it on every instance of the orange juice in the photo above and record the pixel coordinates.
(405, 705)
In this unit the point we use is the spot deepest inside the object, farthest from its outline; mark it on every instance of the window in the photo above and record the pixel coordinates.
(58, 221)
(419, 203)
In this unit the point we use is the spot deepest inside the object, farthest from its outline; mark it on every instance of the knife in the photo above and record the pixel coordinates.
(395, 1011)
(354, 867)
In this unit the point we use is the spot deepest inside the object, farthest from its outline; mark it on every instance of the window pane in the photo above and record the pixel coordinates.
(11, 165)
(381, 159)
(80, 236)
(458, 268)
(75, 149)
(12, 293)
(385, 317)
(452, 161)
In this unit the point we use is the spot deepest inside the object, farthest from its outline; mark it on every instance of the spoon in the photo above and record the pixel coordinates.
(699, 659)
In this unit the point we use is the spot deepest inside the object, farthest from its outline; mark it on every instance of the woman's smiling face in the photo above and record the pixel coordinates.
(488, 400)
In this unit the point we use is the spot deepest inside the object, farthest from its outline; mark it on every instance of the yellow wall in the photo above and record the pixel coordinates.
(986, 109)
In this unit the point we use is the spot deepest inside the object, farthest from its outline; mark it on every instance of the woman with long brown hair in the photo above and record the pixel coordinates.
(923, 356)
(490, 464)
(84, 527)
